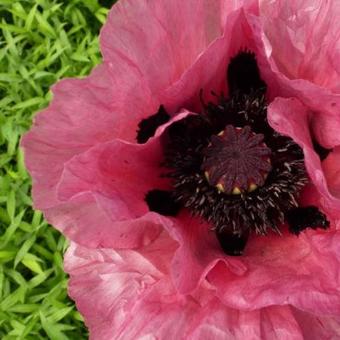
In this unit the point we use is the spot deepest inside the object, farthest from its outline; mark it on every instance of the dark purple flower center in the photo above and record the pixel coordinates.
(236, 160)
(228, 166)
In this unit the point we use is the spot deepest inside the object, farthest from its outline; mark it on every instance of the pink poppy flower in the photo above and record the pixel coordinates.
(236, 107)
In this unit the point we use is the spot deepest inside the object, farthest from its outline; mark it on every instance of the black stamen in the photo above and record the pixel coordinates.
(243, 74)
(228, 166)
(148, 126)
(162, 202)
(258, 210)
(302, 218)
(232, 244)
(320, 150)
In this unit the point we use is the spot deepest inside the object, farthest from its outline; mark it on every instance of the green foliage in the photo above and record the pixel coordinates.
(41, 41)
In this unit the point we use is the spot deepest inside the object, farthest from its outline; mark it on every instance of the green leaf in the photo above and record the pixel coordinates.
(40, 278)
(18, 296)
(51, 329)
(32, 263)
(44, 26)
(11, 205)
(24, 249)
(30, 17)
(29, 102)
(60, 314)
(10, 231)
(26, 308)
(17, 277)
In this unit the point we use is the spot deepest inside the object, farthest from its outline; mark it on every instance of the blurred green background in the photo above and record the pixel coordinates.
(41, 41)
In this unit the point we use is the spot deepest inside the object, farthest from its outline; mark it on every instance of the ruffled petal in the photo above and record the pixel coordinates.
(102, 191)
(326, 125)
(301, 40)
(242, 31)
(88, 218)
(160, 39)
(304, 37)
(301, 271)
(290, 117)
(316, 328)
(331, 168)
(197, 254)
(191, 43)
(83, 113)
(128, 294)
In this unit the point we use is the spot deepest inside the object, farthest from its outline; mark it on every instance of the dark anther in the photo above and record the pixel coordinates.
(320, 150)
(162, 202)
(243, 74)
(148, 126)
(232, 244)
(302, 218)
